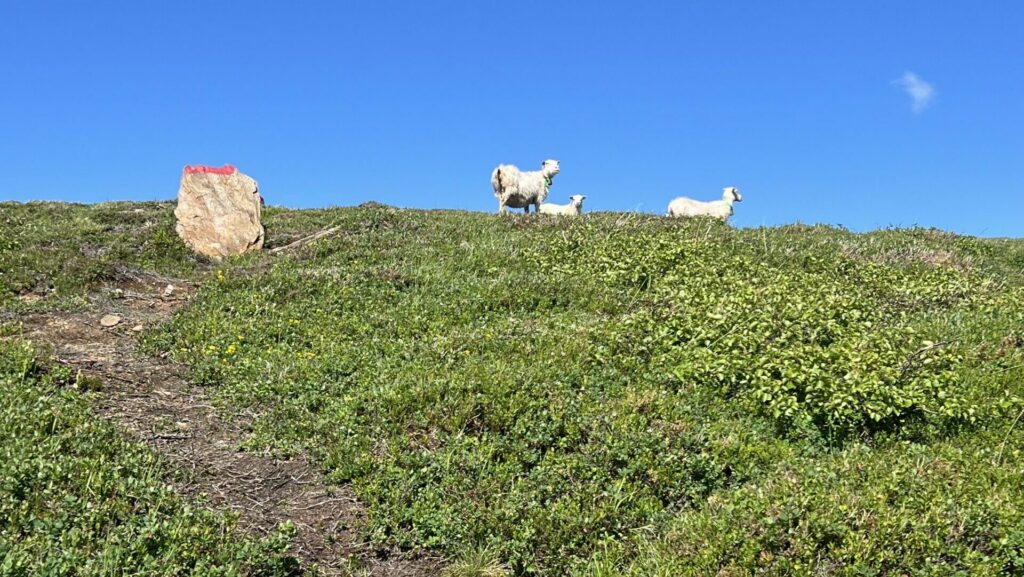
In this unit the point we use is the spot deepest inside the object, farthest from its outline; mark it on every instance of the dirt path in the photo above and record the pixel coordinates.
(150, 398)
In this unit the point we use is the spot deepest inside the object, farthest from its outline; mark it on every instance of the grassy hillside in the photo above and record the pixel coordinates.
(53, 254)
(77, 498)
(614, 394)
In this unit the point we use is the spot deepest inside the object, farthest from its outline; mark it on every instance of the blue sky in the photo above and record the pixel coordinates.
(807, 107)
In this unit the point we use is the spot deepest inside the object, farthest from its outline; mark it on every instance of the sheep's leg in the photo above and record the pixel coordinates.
(527, 209)
(501, 206)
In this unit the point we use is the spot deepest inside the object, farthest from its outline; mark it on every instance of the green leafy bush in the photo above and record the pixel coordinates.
(831, 343)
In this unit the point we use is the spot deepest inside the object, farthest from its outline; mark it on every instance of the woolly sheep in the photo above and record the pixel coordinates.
(575, 206)
(722, 209)
(517, 189)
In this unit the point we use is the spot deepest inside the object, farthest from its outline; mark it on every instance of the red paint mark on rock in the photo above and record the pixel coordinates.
(226, 169)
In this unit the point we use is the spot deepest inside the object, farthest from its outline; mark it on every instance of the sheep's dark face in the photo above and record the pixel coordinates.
(550, 167)
(734, 193)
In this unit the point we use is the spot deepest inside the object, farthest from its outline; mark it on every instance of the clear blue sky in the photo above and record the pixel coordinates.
(861, 113)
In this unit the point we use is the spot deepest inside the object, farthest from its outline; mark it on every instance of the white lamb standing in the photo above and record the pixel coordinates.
(722, 209)
(517, 189)
(574, 208)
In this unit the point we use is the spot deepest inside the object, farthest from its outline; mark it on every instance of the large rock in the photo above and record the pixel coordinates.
(219, 211)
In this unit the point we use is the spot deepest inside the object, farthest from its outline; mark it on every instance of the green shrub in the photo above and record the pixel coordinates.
(832, 343)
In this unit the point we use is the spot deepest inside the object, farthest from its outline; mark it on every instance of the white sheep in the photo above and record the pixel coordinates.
(722, 209)
(575, 206)
(517, 189)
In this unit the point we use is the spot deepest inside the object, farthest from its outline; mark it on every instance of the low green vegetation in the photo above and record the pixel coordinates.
(77, 498)
(572, 395)
(53, 254)
(946, 508)
(624, 394)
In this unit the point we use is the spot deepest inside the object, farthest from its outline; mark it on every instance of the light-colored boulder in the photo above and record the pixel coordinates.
(219, 211)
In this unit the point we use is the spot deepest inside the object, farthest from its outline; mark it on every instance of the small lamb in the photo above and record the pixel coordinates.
(517, 189)
(722, 209)
(574, 208)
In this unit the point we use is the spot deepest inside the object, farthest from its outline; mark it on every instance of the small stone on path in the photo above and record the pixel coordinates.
(110, 321)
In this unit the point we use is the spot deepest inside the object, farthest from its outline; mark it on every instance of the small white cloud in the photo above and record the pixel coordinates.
(919, 91)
